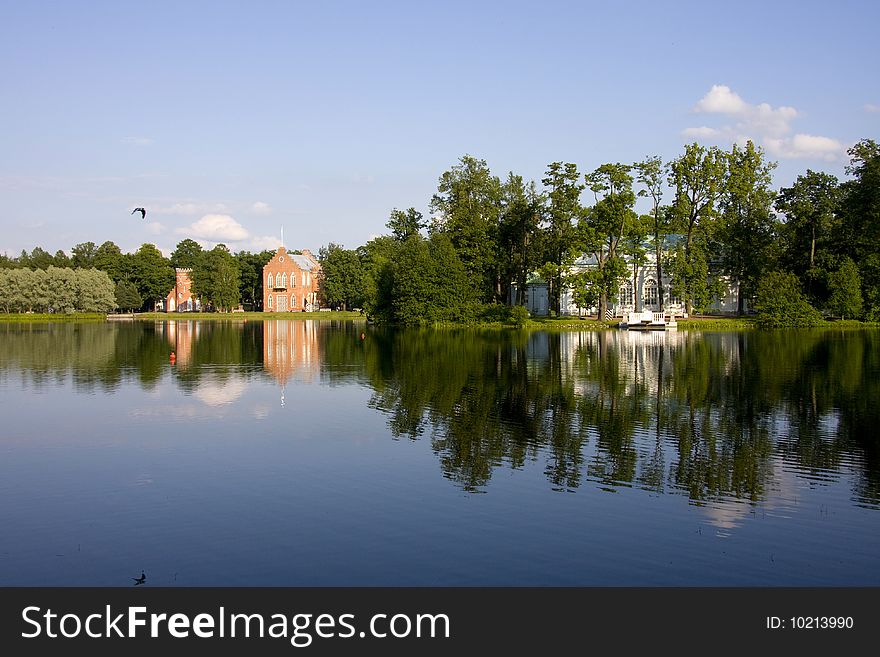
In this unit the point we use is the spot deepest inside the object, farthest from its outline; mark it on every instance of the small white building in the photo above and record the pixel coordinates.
(638, 292)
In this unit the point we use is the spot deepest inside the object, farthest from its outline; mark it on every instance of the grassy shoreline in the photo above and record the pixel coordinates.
(565, 323)
(52, 317)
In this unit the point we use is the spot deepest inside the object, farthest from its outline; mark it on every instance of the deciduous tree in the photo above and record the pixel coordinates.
(563, 183)
(467, 209)
(748, 226)
(698, 178)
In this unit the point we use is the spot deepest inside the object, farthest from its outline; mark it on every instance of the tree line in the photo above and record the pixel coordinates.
(714, 219)
(40, 281)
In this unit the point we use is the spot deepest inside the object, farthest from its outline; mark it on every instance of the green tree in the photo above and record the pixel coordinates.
(845, 286)
(341, 280)
(748, 226)
(6, 289)
(562, 181)
(690, 277)
(601, 229)
(127, 296)
(698, 178)
(781, 303)
(651, 174)
(585, 286)
(108, 258)
(15, 289)
(250, 266)
(61, 260)
(39, 296)
(152, 273)
(216, 278)
(809, 207)
(94, 291)
(404, 224)
(430, 283)
(82, 255)
(519, 237)
(38, 258)
(61, 289)
(187, 254)
(467, 208)
(377, 257)
(634, 249)
(859, 235)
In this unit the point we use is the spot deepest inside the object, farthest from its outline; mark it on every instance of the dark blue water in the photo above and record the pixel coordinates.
(299, 453)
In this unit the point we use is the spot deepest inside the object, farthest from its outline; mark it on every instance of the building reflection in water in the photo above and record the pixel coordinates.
(290, 350)
(181, 335)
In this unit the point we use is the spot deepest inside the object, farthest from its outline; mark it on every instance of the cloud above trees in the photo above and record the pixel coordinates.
(768, 126)
(217, 228)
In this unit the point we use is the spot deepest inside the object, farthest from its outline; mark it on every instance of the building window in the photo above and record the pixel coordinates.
(270, 300)
(271, 282)
(651, 292)
(626, 294)
(283, 283)
(292, 301)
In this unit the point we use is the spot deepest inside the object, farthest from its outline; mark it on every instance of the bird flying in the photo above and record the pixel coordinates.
(140, 580)
(142, 211)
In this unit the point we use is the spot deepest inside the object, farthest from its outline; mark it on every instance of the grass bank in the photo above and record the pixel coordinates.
(569, 323)
(52, 317)
(251, 316)
(717, 323)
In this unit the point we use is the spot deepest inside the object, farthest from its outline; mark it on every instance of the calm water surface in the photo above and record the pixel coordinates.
(297, 453)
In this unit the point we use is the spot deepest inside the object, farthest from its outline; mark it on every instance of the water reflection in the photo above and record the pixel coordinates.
(713, 417)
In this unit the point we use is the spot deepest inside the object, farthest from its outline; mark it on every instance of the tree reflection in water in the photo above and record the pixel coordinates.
(709, 415)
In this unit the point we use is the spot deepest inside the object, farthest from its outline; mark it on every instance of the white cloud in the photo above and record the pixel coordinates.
(703, 132)
(762, 123)
(806, 146)
(216, 228)
(721, 100)
(759, 119)
(259, 207)
(189, 208)
(138, 141)
(265, 243)
(872, 108)
(155, 228)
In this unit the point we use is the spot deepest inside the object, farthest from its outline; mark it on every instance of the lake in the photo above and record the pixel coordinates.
(325, 453)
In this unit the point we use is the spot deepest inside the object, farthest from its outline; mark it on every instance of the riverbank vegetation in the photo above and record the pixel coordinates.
(799, 255)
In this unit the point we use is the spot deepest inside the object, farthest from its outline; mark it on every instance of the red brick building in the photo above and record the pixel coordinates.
(290, 282)
(180, 299)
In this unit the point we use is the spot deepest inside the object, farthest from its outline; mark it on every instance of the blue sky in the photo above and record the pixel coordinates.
(227, 120)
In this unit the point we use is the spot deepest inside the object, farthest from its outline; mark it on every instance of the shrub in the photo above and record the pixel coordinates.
(845, 285)
(519, 316)
(781, 303)
(495, 312)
